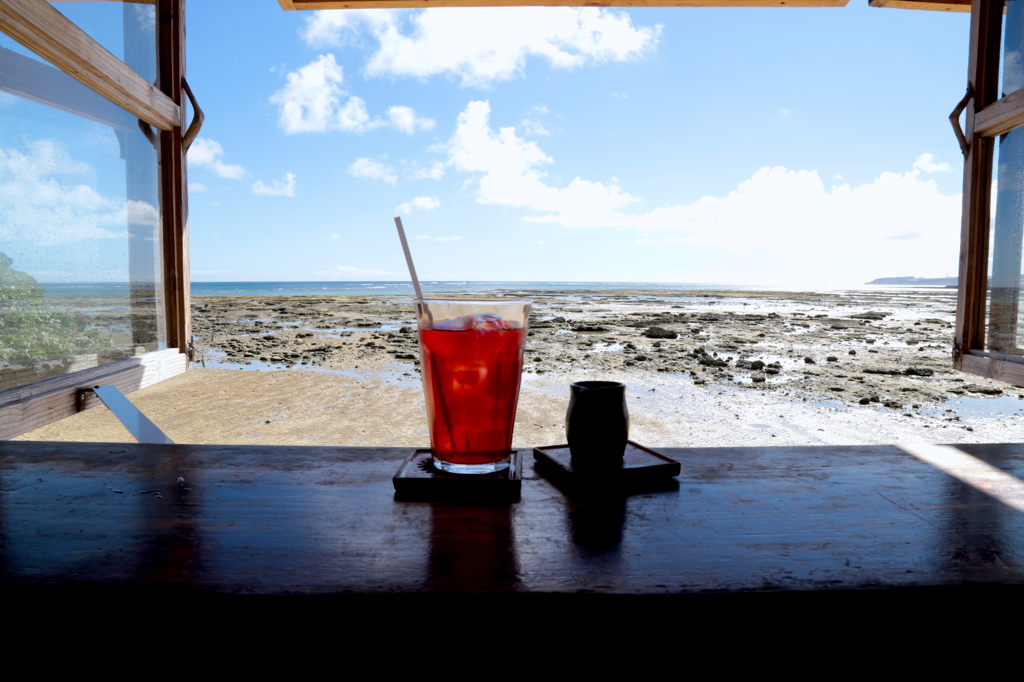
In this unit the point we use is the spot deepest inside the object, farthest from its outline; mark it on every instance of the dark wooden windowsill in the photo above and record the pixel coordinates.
(323, 521)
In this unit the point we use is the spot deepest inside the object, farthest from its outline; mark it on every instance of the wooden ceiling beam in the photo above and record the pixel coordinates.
(375, 4)
(948, 6)
(933, 5)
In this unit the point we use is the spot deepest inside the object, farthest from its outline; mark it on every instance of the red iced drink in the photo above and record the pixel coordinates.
(471, 369)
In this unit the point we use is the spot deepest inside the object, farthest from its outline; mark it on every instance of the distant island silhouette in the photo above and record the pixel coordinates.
(916, 281)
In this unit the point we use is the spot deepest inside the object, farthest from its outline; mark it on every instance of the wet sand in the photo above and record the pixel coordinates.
(705, 368)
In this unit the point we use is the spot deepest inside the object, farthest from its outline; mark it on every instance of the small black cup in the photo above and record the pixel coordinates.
(597, 426)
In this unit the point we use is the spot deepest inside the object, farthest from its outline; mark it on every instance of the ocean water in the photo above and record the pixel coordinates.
(92, 290)
(121, 289)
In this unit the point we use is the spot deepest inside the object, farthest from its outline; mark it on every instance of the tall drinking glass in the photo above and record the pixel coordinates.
(471, 354)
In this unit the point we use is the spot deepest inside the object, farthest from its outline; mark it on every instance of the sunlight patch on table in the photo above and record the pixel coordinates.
(978, 474)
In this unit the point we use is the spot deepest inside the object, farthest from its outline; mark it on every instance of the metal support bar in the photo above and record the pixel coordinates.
(954, 119)
(130, 416)
(197, 118)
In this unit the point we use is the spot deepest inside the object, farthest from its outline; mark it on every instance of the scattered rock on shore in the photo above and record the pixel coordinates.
(660, 333)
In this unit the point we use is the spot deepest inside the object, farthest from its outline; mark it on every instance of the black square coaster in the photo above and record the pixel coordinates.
(642, 468)
(418, 479)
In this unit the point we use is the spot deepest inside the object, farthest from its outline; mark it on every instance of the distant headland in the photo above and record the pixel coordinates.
(916, 281)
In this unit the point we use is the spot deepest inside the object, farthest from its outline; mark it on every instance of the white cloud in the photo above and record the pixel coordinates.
(375, 170)
(310, 102)
(335, 29)
(422, 203)
(508, 172)
(350, 272)
(353, 117)
(784, 225)
(277, 188)
(433, 172)
(404, 119)
(532, 124)
(534, 127)
(899, 221)
(196, 187)
(620, 95)
(335, 236)
(427, 237)
(926, 164)
(141, 213)
(206, 153)
(481, 46)
(1013, 71)
(909, 234)
(45, 202)
(780, 209)
(785, 112)
(144, 15)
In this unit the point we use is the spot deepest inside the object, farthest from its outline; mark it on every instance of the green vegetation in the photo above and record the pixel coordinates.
(32, 328)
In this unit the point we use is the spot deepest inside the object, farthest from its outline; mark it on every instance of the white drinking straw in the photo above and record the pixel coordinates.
(408, 259)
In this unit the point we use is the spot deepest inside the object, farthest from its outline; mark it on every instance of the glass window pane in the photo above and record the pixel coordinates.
(11, 45)
(80, 239)
(1012, 63)
(1004, 323)
(126, 29)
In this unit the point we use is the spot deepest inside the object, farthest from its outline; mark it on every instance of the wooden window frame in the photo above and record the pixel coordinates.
(44, 30)
(987, 117)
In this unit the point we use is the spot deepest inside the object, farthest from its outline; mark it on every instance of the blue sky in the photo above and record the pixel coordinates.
(748, 146)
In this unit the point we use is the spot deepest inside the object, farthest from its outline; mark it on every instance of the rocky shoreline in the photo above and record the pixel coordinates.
(849, 347)
(704, 369)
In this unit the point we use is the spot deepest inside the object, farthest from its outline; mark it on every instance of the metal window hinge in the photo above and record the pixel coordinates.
(197, 118)
(954, 119)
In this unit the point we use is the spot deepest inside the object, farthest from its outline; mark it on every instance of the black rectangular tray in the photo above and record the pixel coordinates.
(639, 464)
(419, 479)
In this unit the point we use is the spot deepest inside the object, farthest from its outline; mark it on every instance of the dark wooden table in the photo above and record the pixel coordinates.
(314, 523)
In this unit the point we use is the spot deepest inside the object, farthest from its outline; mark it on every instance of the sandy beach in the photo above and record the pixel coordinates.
(710, 368)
